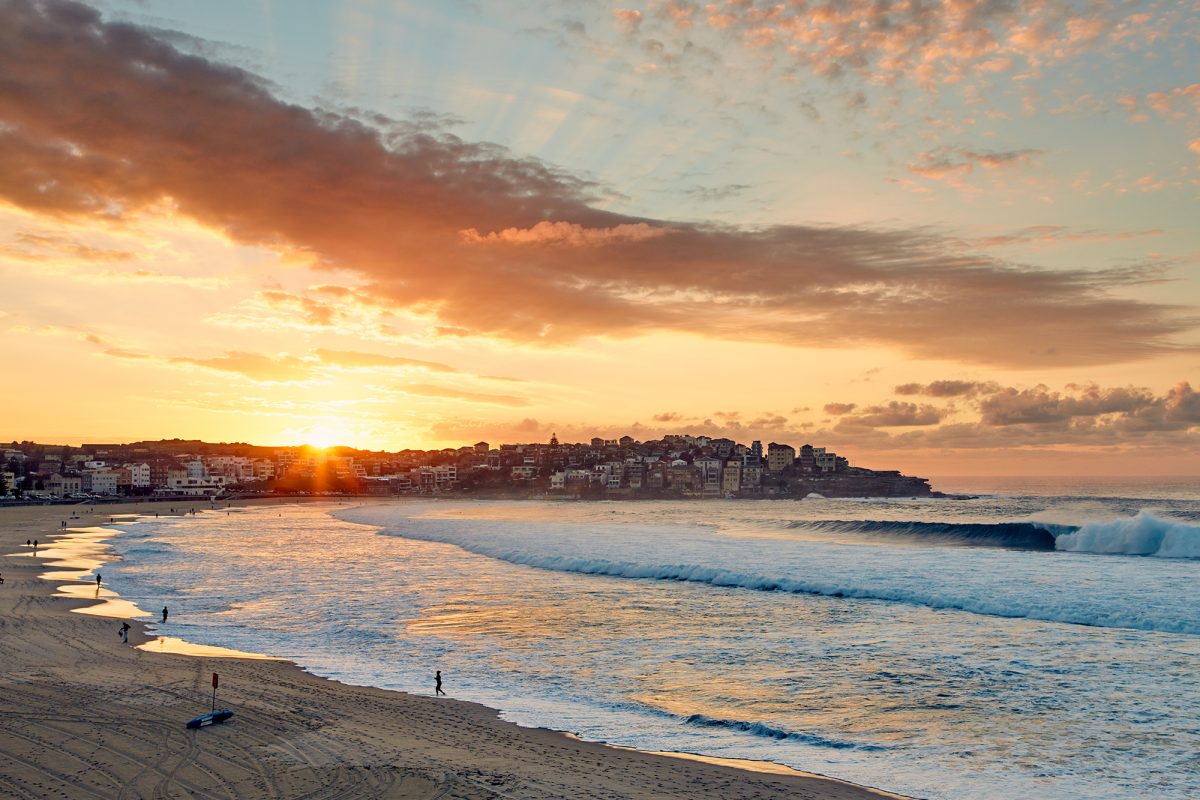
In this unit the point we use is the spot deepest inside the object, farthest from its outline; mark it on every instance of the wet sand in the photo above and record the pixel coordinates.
(83, 715)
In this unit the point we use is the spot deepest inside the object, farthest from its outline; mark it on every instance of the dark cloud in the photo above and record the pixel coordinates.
(893, 414)
(1039, 405)
(485, 243)
(838, 409)
(947, 388)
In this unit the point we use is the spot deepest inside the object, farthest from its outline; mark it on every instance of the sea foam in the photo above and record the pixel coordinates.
(1142, 535)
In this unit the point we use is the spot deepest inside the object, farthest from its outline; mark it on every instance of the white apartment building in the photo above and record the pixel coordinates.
(139, 474)
(99, 481)
(206, 486)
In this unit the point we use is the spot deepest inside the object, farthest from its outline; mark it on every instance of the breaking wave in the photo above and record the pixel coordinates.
(1017, 535)
(770, 732)
(1141, 535)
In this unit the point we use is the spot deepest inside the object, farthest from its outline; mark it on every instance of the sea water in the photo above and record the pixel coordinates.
(1035, 642)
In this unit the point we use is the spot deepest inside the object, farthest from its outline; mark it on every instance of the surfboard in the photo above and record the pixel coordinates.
(210, 719)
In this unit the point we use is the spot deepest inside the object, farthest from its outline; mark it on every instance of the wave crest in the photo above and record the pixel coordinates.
(1141, 535)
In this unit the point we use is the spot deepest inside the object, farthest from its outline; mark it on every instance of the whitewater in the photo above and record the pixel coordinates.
(1021, 644)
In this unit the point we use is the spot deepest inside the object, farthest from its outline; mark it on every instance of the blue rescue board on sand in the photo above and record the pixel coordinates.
(210, 719)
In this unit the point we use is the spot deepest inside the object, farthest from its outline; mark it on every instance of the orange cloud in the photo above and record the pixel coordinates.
(567, 233)
(427, 390)
(944, 162)
(46, 247)
(284, 368)
(393, 210)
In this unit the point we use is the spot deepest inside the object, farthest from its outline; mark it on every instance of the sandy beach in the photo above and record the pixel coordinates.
(84, 715)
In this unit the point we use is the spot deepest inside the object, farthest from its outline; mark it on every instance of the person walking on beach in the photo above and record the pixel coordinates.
(97, 580)
(164, 615)
(125, 632)
(437, 689)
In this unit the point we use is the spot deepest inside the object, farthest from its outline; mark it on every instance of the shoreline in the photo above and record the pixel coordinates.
(488, 757)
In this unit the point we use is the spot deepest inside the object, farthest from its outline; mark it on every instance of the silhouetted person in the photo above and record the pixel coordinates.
(437, 689)
(97, 580)
(125, 632)
(164, 614)
(35, 544)
(28, 543)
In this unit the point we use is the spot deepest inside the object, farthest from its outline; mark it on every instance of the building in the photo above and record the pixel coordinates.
(64, 485)
(139, 475)
(99, 481)
(182, 483)
(731, 477)
(780, 457)
(524, 473)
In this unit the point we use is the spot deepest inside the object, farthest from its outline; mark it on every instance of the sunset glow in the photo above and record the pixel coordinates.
(961, 240)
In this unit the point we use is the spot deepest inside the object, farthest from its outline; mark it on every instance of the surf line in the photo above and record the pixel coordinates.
(75, 554)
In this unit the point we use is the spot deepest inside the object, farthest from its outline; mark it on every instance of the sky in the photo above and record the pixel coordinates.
(952, 238)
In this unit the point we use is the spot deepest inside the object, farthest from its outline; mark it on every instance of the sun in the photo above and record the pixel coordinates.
(324, 437)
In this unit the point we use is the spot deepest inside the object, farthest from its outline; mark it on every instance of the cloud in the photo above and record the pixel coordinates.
(28, 246)
(256, 366)
(838, 409)
(356, 360)
(387, 202)
(941, 163)
(667, 416)
(1179, 102)
(893, 414)
(427, 390)
(567, 233)
(285, 368)
(1040, 406)
(629, 19)
(715, 194)
(948, 388)
(930, 44)
(1042, 234)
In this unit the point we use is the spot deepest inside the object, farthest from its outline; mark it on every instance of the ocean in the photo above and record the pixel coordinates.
(1039, 640)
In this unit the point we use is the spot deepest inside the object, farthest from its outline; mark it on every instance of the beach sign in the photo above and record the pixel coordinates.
(215, 716)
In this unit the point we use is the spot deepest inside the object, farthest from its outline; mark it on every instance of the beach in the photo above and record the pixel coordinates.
(83, 714)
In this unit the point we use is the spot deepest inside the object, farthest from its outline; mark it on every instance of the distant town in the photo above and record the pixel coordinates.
(675, 466)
